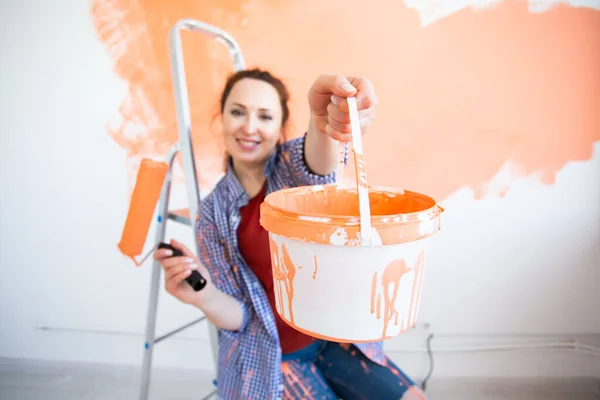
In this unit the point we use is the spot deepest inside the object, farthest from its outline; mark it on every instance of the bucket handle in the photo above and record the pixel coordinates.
(361, 176)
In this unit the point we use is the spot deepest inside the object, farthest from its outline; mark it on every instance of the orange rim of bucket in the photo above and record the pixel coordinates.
(287, 218)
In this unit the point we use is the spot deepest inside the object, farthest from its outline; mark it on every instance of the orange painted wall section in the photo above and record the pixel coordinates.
(458, 98)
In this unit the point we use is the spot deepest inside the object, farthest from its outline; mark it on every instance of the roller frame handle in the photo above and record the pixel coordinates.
(195, 280)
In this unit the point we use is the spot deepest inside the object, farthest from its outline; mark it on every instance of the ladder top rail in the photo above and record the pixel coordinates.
(213, 32)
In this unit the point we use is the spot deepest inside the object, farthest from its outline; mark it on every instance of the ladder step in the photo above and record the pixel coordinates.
(182, 216)
(166, 335)
(211, 395)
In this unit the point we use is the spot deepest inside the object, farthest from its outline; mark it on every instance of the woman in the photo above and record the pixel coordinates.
(260, 356)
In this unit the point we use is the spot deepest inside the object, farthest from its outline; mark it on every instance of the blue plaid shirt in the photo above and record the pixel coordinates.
(249, 364)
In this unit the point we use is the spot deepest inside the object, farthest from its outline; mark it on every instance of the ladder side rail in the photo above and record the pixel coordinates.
(184, 117)
(163, 208)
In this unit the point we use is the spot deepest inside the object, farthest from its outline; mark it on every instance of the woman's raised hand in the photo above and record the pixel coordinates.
(329, 107)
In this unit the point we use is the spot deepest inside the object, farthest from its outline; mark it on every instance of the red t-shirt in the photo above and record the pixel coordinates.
(253, 241)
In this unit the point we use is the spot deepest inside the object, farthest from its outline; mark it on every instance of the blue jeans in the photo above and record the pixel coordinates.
(328, 370)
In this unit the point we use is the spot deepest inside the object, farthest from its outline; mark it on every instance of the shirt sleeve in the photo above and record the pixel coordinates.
(213, 254)
(294, 157)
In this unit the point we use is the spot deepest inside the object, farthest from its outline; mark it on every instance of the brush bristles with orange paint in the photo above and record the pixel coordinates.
(146, 193)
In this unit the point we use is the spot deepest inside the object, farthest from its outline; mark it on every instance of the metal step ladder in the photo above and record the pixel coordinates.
(185, 216)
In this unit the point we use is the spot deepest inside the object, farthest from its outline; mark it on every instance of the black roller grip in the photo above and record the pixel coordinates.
(196, 281)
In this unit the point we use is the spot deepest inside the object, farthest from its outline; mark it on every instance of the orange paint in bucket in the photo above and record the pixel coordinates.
(329, 215)
(363, 290)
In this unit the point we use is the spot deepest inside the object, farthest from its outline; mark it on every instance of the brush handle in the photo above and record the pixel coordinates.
(196, 281)
(361, 176)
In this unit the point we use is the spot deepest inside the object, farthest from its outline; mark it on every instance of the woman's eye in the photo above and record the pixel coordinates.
(236, 112)
(266, 117)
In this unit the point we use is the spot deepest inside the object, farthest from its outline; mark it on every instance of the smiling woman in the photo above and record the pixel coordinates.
(260, 354)
(254, 113)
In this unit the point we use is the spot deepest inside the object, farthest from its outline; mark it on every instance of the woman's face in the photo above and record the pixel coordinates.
(252, 118)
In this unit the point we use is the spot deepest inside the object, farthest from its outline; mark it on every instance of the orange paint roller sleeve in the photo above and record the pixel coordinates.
(146, 193)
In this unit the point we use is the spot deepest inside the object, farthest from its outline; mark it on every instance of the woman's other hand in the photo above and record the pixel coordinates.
(177, 269)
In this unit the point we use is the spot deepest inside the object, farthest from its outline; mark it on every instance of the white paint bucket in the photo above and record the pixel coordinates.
(327, 283)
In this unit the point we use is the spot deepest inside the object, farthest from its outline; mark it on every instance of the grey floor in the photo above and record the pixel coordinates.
(48, 381)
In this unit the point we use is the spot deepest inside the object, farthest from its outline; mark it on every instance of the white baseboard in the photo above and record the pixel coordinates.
(520, 386)
(498, 356)
(163, 379)
(454, 355)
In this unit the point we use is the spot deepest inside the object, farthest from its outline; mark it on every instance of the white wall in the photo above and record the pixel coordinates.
(507, 270)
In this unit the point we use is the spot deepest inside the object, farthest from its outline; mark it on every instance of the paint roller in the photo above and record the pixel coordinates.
(149, 182)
